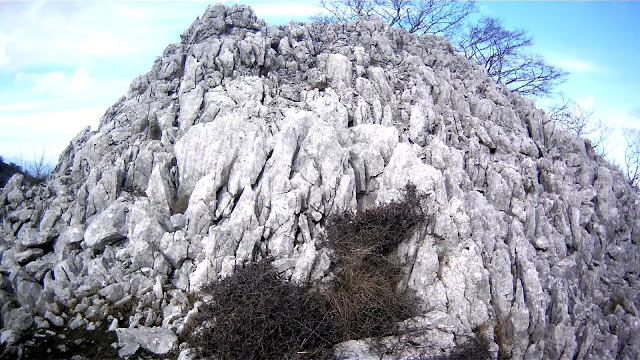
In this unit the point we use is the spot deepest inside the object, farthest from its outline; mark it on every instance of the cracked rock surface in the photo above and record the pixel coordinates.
(244, 137)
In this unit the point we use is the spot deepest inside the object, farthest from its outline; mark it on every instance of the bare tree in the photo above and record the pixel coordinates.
(632, 157)
(581, 121)
(599, 134)
(571, 115)
(500, 51)
(421, 17)
(40, 169)
(487, 43)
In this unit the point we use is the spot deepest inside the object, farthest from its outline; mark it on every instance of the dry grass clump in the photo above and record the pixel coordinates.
(367, 304)
(365, 292)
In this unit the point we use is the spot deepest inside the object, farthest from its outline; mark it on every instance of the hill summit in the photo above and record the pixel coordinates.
(244, 138)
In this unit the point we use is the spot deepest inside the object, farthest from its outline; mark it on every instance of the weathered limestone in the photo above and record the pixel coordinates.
(244, 137)
(156, 340)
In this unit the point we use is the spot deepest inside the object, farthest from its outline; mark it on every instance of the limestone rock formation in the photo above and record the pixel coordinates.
(244, 137)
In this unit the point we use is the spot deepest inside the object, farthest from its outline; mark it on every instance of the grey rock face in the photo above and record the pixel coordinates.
(156, 340)
(19, 319)
(107, 227)
(244, 137)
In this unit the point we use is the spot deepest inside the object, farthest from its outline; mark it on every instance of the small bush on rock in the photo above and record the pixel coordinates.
(365, 292)
(375, 233)
(254, 314)
(367, 304)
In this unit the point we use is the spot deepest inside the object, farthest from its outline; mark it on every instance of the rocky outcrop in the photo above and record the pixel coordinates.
(7, 171)
(244, 137)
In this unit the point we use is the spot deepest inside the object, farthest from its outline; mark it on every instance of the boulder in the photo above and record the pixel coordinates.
(108, 227)
(156, 340)
(18, 319)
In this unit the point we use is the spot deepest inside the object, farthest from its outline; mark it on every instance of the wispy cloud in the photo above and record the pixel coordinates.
(34, 34)
(5, 39)
(68, 89)
(60, 82)
(587, 102)
(62, 63)
(46, 131)
(573, 65)
(20, 106)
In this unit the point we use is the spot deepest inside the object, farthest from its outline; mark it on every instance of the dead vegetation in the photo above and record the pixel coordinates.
(358, 238)
(366, 293)
(256, 314)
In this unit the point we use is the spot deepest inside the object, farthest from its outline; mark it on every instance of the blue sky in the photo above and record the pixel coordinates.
(598, 42)
(63, 63)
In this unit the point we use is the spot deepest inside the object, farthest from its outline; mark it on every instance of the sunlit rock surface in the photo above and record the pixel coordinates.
(244, 137)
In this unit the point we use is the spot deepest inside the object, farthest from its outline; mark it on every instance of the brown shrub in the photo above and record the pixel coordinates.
(367, 305)
(254, 314)
(376, 232)
(364, 293)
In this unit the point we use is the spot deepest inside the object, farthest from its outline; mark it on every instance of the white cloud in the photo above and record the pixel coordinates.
(299, 9)
(20, 106)
(100, 44)
(37, 34)
(5, 39)
(587, 102)
(60, 84)
(49, 130)
(40, 83)
(622, 120)
(573, 65)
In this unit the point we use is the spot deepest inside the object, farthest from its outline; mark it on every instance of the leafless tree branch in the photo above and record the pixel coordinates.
(582, 122)
(421, 17)
(499, 51)
(632, 156)
(571, 115)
